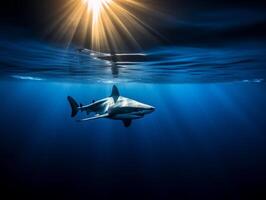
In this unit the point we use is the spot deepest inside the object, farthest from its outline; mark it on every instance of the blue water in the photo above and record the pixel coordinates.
(206, 139)
(203, 141)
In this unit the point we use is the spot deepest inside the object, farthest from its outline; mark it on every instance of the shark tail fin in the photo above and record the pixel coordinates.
(115, 93)
(74, 106)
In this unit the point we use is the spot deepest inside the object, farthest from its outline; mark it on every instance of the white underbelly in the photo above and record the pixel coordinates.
(126, 116)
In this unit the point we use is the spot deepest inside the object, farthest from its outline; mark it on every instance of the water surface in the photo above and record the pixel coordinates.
(27, 58)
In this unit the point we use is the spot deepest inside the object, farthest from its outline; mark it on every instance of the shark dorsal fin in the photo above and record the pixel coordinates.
(115, 93)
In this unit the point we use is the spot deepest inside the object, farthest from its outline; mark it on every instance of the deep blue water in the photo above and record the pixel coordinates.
(203, 141)
(206, 139)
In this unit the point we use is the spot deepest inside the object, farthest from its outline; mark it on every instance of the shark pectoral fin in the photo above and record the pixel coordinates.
(127, 122)
(93, 118)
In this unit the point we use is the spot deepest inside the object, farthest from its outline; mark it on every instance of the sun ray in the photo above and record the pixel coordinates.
(106, 25)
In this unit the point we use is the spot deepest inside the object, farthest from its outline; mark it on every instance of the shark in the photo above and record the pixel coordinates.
(114, 107)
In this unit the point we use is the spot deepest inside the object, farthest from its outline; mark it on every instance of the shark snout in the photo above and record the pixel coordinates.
(150, 109)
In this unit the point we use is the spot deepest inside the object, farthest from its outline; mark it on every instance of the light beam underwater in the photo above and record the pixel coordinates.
(105, 25)
(95, 7)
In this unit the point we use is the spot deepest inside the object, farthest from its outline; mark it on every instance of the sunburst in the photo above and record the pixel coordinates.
(104, 24)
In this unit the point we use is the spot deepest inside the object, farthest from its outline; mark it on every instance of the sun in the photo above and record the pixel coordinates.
(95, 7)
(105, 25)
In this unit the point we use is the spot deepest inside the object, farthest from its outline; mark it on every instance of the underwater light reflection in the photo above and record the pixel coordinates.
(106, 25)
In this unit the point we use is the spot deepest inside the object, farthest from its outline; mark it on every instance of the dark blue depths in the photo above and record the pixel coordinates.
(203, 141)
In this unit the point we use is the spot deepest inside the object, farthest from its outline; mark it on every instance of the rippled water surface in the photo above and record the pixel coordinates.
(37, 60)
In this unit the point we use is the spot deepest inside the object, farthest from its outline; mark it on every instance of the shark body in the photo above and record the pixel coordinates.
(114, 107)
